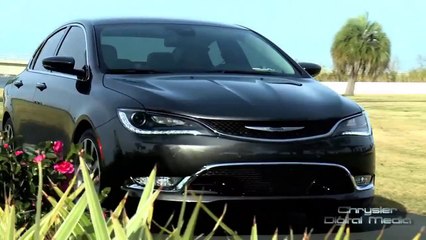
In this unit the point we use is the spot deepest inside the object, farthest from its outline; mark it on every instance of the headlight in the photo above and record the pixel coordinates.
(142, 122)
(356, 126)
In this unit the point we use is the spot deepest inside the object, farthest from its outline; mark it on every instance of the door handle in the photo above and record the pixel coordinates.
(18, 84)
(41, 86)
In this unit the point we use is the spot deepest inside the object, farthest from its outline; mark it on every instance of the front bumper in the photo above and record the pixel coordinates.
(131, 155)
(315, 189)
(174, 197)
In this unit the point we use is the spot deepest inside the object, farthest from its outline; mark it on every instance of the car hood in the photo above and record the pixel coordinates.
(235, 97)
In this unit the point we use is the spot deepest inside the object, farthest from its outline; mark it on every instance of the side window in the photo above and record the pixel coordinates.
(74, 45)
(48, 50)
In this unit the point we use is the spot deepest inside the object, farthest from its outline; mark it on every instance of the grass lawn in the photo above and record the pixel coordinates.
(399, 123)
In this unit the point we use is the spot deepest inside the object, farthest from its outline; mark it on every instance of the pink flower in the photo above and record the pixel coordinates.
(58, 146)
(39, 158)
(19, 152)
(64, 167)
(6, 145)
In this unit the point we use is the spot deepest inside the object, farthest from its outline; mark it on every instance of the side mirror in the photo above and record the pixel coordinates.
(311, 68)
(63, 65)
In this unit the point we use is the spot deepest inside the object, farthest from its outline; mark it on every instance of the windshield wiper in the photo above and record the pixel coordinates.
(245, 72)
(270, 73)
(135, 71)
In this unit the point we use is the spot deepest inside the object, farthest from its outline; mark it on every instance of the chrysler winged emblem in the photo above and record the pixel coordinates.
(274, 129)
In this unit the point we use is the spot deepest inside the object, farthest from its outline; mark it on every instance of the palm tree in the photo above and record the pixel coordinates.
(360, 50)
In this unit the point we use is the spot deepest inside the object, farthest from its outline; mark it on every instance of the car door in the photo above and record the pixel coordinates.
(56, 92)
(24, 88)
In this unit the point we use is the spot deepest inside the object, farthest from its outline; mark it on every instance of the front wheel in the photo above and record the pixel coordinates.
(90, 146)
(8, 130)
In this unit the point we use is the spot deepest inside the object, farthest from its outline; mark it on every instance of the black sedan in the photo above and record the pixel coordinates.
(219, 109)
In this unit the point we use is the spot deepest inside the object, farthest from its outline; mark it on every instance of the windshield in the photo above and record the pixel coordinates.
(181, 48)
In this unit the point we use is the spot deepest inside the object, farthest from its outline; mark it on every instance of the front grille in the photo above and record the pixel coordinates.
(238, 128)
(273, 180)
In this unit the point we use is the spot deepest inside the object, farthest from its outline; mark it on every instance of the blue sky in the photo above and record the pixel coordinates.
(304, 29)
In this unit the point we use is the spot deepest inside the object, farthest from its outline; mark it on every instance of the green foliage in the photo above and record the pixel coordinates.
(360, 49)
(19, 176)
(78, 215)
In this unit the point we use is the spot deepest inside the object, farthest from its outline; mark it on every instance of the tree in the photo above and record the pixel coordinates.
(360, 50)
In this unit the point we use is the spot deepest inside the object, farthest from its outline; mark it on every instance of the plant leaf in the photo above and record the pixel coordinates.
(419, 234)
(96, 214)
(134, 227)
(190, 228)
(253, 235)
(68, 226)
(84, 224)
(222, 224)
(119, 231)
(216, 226)
(38, 203)
(57, 209)
(341, 230)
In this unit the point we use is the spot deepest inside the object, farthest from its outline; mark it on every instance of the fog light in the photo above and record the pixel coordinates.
(164, 182)
(363, 180)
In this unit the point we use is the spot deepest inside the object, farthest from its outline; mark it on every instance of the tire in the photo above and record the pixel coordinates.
(90, 145)
(9, 130)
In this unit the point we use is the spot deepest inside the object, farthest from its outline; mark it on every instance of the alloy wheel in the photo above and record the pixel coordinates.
(8, 129)
(8, 134)
(93, 165)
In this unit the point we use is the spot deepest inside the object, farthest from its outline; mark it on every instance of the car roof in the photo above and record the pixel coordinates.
(102, 21)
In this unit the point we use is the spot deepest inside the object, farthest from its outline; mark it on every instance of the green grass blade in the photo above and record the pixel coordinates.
(72, 196)
(147, 233)
(11, 218)
(117, 212)
(68, 226)
(275, 236)
(125, 219)
(190, 228)
(145, 217)
(419, 234)
(55, 188)
(96, 214)
(253, 234)
(134, 226)
(29, 234)
(57, 209)
(38, 203)
(347, 234)
(119, 231)
(328, 235)
(227, 229)
(84, 225)
(341, 230)
(381, 233)
(19, 232)
(163, 229)
(181, 214)
(217, 225)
